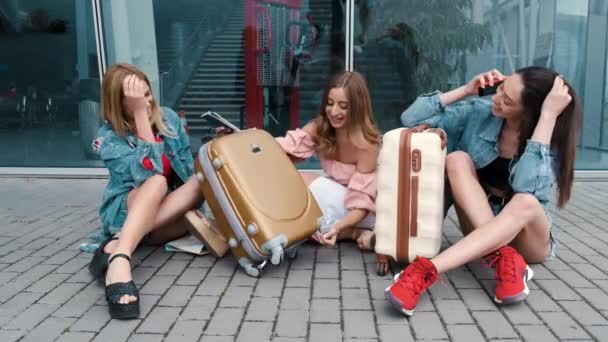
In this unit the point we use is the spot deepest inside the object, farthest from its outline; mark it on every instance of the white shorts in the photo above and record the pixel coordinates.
(330, 195)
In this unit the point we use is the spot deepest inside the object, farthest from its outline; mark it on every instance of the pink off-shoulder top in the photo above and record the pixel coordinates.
(361, 187)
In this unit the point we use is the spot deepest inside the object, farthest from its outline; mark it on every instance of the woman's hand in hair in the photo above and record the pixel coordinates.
(486, 79)
(557, 100)
(135, 95)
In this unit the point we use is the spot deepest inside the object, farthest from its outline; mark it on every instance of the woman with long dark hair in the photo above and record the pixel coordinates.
(506, 155)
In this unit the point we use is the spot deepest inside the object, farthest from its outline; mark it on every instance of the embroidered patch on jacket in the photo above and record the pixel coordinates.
(96, 144)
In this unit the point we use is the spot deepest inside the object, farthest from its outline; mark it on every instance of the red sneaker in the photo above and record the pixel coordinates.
(405, 292)
(512, 274)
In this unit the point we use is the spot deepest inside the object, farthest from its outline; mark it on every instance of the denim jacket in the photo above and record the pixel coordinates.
(124, 155)
(471, 127)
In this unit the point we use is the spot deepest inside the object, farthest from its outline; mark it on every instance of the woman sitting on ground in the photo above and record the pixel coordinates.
(512, 151)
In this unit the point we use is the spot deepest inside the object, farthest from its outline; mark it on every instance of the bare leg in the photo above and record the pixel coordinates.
(522, 222)
(149, 209)
(469, 197)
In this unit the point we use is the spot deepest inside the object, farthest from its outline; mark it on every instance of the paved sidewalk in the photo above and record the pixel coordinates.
(326, 294)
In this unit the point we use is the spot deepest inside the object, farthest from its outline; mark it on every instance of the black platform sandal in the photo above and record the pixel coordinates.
(99, 262)
(117, 290)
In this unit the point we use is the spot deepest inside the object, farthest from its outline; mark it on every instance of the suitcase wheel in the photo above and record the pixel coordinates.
(249, 267)
(382, 264)
(217, 163)
(292, 253)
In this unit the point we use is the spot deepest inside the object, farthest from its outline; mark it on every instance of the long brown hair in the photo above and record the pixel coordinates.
(360, 120)
(538, 82)
(112, 108)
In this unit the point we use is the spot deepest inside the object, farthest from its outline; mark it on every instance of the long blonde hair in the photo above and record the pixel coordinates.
(360, 122)
(112, 108)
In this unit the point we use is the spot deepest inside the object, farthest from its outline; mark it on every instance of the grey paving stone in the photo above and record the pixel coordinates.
(200, 308)
(19, 303)
(192, 276)
(262, 309)
(242, 279)
(146, 304)
(31, 317)
(563, 326)
(75, 264)
(158, 257)
(75, 337)
(206, 261)
(11, 335)
(24, 264)
(463, 279)
(573, 279)
(223, 268)
(48, 330)
(325, 332)
(61, 257)
(356, 299)
(213, 286)
(157, 285)
(295, 299)
(386, 314)
(520, 314)
(477, 300)
(494, 325)
(535, 333)
(359, 324)
(225, 321)
(453, 312)
(48, 283)
(583, 313)
(325, 311)
(145, 338)
(269, 287)
(81, 302)
(93, 320)
(598, 332)
(117, 330)
(255, 331)
(427, 326)
(353, 279)
(327, 255)
(589, 271)
(353, 261)
(327, 270)
(159, 320)
(208, 338)
(177, 296)
(540, 301)
(288, 339)
(236, 297)
(395, 333)
(465, 333)
(299, 278)
(142, 274)
(184, 331)
(173, 268)
(596, 297)
(292, 323)
(326, 288)
(558, 290)
(377, 287)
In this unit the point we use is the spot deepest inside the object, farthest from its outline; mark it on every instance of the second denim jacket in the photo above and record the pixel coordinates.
(123, 156)
(471, 127)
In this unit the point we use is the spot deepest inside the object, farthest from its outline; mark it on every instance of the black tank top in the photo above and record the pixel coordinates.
(496, 174)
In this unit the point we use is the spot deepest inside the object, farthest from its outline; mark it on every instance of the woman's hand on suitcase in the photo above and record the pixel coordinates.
(222, 130)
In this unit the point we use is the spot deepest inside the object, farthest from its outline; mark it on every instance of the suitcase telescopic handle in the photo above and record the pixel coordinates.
(441, 133)
(221, 120)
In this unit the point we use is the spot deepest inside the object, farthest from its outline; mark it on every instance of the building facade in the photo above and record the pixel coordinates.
(263, 63)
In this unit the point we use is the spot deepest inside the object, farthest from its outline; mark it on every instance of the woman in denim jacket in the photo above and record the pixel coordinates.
(508, 155)
(147, 153)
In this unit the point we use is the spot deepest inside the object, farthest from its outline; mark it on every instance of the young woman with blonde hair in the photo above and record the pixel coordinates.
(147, 153)
(345, 138)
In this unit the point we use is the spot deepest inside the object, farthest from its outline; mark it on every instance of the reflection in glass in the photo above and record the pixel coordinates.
(49, 83)
(407, 48)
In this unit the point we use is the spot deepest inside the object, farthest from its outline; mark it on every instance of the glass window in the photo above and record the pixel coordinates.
(49, 83)
(258, 63)
(409, 47)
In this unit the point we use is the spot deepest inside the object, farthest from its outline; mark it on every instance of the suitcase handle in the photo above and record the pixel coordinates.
(441, 133)
(221, 120)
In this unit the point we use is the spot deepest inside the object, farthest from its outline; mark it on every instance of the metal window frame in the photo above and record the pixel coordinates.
(101, 172)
